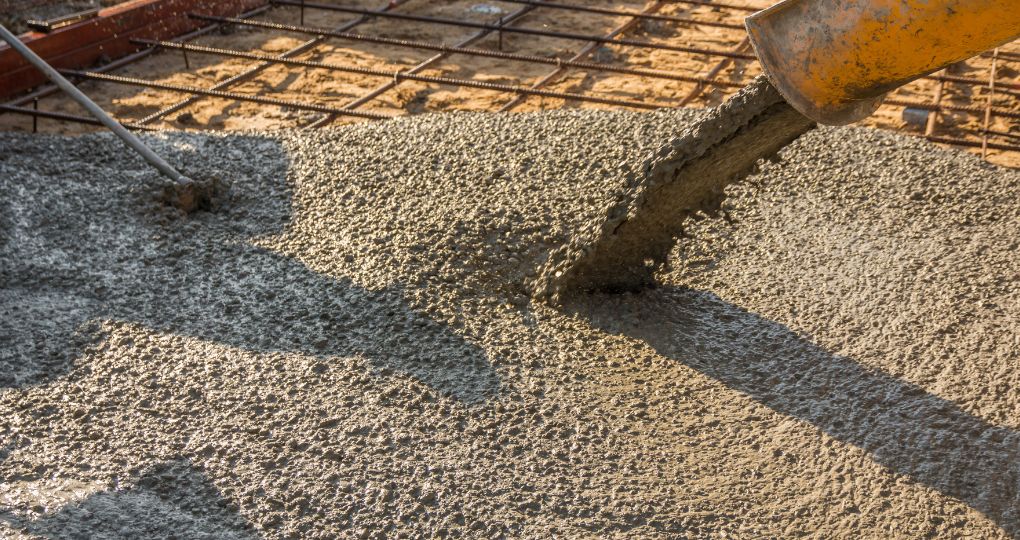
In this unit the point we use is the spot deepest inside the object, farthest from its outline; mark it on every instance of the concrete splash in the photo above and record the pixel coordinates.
(621, 250)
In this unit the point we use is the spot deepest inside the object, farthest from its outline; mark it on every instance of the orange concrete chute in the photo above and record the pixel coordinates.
(834, 60)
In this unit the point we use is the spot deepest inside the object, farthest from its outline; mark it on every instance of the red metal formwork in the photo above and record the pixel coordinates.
(108, 36)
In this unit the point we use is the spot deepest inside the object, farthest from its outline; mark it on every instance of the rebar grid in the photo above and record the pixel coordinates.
(988, 106)
(985, 138)
(513, 30)
(583, 53)
(395, 75)
(471, 51)
(385, 87)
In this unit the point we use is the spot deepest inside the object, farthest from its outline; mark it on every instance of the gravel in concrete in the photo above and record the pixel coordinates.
(622, 250)
(346, 348)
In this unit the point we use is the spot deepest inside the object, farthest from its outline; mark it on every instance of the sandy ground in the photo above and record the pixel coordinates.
(337, 89)
(344, 348)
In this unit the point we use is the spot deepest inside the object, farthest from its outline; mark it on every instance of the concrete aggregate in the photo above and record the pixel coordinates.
(347, 346)
(622, 250)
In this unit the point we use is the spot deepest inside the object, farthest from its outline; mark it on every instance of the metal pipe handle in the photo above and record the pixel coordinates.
(129, 138)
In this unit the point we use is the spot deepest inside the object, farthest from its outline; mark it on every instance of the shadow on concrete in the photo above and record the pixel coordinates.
(902, 427)
(170, 500)
(199, 276)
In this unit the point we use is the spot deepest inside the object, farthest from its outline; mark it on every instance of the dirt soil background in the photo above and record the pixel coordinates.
(336, 89)
(344, 348)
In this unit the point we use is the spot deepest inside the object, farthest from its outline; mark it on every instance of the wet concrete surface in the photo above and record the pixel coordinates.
(168, 500)
(346, 348)
(686, 175)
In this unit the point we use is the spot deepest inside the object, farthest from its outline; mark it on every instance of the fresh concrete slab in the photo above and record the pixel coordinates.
(346, 347)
